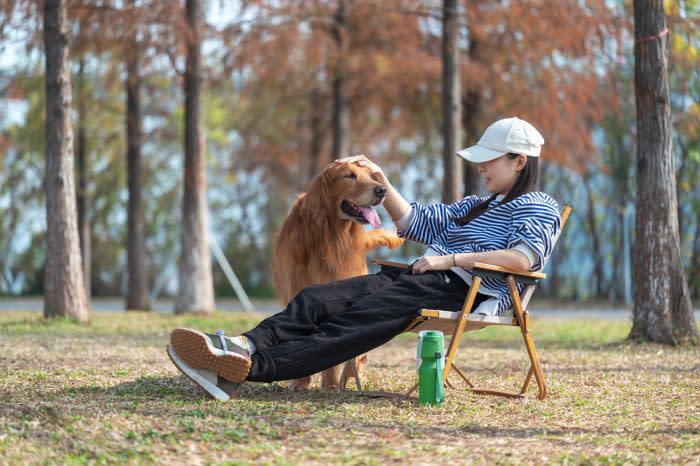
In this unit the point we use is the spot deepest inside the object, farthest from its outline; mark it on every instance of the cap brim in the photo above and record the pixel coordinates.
(479, 154)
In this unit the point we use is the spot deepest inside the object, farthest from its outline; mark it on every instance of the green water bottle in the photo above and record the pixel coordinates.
(431, 350)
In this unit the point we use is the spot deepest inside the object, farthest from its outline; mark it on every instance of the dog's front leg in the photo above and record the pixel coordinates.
(382, 237)
(300, 384)
(330, 378)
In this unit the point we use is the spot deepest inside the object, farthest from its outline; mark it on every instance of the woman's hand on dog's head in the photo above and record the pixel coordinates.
(362, 161)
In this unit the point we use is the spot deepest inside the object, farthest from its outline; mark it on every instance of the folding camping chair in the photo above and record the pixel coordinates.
(456, 323)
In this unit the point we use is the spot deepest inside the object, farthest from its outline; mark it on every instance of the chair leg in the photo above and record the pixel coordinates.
(413, 323)
(461, 374)
(415, 386)
(527, 380)
(535, 367)
(463, 317)
(523, 320)
(539, 378)
(350, 368)
(344, 376)
(413, 389)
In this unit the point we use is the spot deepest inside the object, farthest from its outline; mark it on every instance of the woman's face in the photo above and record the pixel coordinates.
(501, 173)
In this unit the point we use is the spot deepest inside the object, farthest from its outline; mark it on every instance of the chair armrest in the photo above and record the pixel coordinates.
(481, 266)
(386, 262)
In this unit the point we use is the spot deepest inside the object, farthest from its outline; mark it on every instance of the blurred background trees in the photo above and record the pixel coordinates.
(287, 86)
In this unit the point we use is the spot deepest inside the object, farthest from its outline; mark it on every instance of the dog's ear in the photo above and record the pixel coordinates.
(321, 192)
(316, 212)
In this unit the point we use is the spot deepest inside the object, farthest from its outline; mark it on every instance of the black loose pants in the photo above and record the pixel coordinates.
(326, 324)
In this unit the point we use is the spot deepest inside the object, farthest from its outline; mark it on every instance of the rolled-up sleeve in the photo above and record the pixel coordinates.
(528, 252)
(405, 219)
(536, 225)
(428, 222)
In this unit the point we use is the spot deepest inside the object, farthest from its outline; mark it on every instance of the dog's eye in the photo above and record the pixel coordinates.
(351, 175)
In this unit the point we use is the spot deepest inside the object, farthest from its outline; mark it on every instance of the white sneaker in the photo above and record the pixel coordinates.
(211, 351)
(210, 360)
(214, 385)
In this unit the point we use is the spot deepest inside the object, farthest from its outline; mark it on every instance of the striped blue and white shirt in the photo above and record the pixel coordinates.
(531, 220)
(488, 307)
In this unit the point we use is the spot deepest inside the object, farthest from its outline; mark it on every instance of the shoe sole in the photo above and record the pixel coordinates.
(196, 350)
(211, 390)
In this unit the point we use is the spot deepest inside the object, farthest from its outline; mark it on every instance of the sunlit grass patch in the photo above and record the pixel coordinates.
(106, 393)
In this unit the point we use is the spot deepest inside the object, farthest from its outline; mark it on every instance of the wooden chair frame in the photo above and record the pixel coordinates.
(456, 323)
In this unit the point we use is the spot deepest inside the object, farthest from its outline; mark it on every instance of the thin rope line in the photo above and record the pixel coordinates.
(654, 37)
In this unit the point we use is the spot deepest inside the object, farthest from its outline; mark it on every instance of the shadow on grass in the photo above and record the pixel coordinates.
(526, 432)
(176, 400)
(512, 341)
(180, 389)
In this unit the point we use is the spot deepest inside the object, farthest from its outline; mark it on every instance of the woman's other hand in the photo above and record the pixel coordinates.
(362, 161)
(427, 263)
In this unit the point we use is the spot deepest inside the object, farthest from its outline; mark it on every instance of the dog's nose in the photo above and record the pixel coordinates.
(380, 191)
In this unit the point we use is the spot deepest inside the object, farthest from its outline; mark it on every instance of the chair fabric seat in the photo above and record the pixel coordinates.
(445, 321)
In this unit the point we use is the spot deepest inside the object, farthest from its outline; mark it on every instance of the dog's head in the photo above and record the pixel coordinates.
(348, 190)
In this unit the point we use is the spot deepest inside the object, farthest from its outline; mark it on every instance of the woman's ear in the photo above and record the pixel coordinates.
(522, 161)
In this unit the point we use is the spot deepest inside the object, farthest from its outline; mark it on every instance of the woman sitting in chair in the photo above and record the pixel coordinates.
(326, 324)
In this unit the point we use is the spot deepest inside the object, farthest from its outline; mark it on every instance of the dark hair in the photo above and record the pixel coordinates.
(526, 182)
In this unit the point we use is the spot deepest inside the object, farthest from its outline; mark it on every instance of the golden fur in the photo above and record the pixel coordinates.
(320, 243)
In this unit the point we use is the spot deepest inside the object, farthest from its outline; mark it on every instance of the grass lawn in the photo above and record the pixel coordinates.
(107, 393)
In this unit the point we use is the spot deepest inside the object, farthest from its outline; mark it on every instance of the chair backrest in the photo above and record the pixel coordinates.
(529, 289)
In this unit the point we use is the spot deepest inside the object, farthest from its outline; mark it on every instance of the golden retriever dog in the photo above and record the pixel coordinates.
(323, 240)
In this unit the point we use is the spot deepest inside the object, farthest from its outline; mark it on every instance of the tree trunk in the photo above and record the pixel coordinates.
(471, 111)
(64, 288)
(340, 111)
(316, 134)
(451, 105)
(196, 288)
(662, 311)
(137, 293)
(81, 197)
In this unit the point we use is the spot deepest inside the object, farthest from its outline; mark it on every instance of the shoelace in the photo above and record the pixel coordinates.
(220, 333)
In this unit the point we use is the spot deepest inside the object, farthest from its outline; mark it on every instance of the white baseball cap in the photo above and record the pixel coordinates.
(506, 135)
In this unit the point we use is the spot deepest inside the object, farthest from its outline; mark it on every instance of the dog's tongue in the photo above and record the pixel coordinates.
(371, 215)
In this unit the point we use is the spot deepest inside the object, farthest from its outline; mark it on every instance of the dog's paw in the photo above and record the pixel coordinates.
(396, 242)
(383, 237)
(299, 386)
(330, 388)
